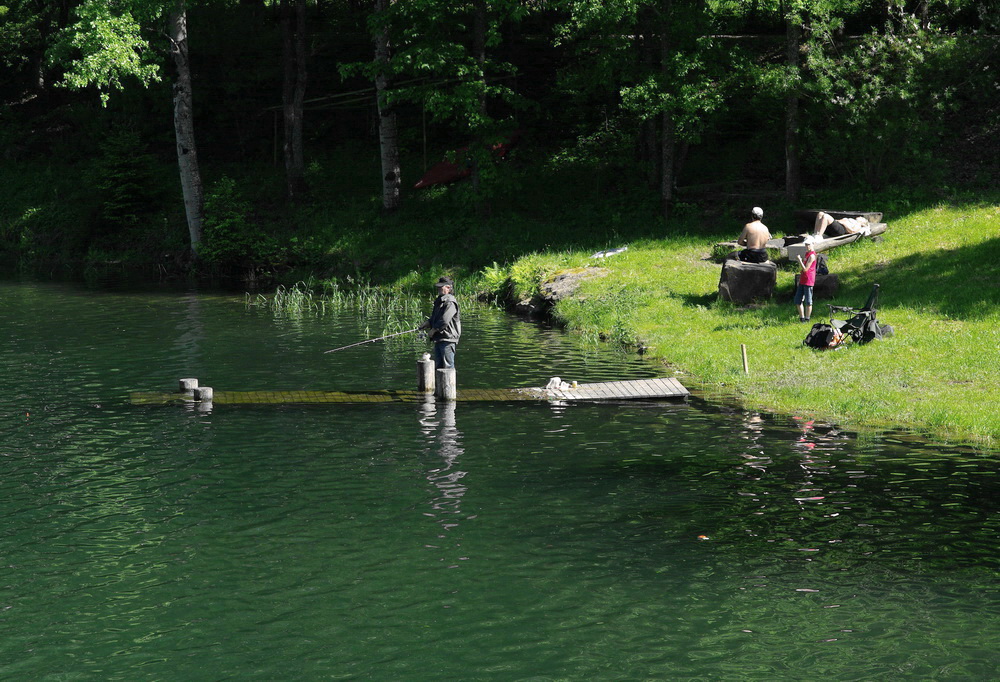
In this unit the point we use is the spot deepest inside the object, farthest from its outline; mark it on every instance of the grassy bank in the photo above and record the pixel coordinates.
(938, 270)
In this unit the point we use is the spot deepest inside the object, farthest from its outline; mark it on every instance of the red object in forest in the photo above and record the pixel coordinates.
(447, 171)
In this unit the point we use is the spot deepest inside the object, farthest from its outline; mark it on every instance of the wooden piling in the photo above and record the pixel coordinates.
(188, 385)
(425, 374)
(204, 394)
(447, 387)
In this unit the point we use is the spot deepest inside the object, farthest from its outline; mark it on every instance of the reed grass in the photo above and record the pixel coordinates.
(321, 296)
(938, 269)
(381, 311)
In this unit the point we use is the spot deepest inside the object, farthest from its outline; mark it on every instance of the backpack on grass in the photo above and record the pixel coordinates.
(821, 267)
(823, 336)
(861, 327)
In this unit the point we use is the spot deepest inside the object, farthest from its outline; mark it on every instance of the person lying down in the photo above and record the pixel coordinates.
(827, 226)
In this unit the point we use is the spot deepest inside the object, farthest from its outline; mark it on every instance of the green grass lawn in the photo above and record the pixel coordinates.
(938, 269)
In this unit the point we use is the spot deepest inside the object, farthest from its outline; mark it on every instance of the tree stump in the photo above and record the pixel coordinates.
(745, 282)
(425, 374)
(446, 387)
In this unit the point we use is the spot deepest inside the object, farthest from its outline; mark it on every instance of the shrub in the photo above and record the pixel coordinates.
(230, 238)
(123, 178)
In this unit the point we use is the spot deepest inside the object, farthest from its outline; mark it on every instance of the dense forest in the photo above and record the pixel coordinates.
(257, 135)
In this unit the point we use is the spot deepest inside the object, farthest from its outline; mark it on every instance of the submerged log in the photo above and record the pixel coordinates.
(632, 389)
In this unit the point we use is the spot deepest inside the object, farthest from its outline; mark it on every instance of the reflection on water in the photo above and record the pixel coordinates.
(454, 540)
(445, 441)
(752, 449)
(190, 331)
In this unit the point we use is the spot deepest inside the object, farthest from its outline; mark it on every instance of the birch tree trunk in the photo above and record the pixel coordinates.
(293, 23)
(388, 136)
(793, 178)
(187, 154)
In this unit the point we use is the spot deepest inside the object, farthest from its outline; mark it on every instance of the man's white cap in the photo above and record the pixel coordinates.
(757, 212)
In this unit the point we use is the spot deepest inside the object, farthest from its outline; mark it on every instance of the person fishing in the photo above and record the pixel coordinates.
(445, 324)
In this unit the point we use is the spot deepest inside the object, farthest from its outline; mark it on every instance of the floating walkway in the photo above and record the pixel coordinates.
(636, 389)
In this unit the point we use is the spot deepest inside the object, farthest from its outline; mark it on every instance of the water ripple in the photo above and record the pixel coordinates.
(521, 541)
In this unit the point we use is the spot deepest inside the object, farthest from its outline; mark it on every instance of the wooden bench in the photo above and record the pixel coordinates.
(791, 246)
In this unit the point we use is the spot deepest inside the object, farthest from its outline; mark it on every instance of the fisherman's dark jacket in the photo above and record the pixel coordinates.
(445, 321)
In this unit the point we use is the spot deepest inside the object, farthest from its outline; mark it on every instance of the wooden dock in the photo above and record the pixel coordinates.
(635, 389)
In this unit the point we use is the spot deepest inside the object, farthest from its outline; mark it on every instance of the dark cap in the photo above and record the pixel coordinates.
(445, 281)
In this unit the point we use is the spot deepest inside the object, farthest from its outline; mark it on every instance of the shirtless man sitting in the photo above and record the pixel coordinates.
(754, 237)
(826, 224)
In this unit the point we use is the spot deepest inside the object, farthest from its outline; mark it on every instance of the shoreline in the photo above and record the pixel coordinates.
(659, 299)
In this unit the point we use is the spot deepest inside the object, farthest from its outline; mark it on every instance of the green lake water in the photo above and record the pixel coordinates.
(476, 541)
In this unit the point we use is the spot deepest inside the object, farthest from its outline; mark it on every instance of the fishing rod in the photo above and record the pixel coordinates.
(381, 338)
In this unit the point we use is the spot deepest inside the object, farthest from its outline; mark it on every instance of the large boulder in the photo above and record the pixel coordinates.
(562, 285)
(745, 282)
(826, 286)
(565, 283)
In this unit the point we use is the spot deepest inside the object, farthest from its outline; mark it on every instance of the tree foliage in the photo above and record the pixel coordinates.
(107, 44)
(433, 61)
(232, 239)
(640, 95)
(122, 176)
(884, 95)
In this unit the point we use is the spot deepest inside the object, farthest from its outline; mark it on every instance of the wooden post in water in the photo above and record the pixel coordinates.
(204, 394)
(425, 374)
(188, 385)
(446, 384)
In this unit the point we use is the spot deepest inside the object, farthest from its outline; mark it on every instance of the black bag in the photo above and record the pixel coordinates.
(822, 336)
(871, 330)
(821, 266)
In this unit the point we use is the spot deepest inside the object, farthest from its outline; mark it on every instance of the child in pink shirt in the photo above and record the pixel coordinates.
(807, 278)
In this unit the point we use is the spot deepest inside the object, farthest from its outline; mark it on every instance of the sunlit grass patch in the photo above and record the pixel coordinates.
(937, 269)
